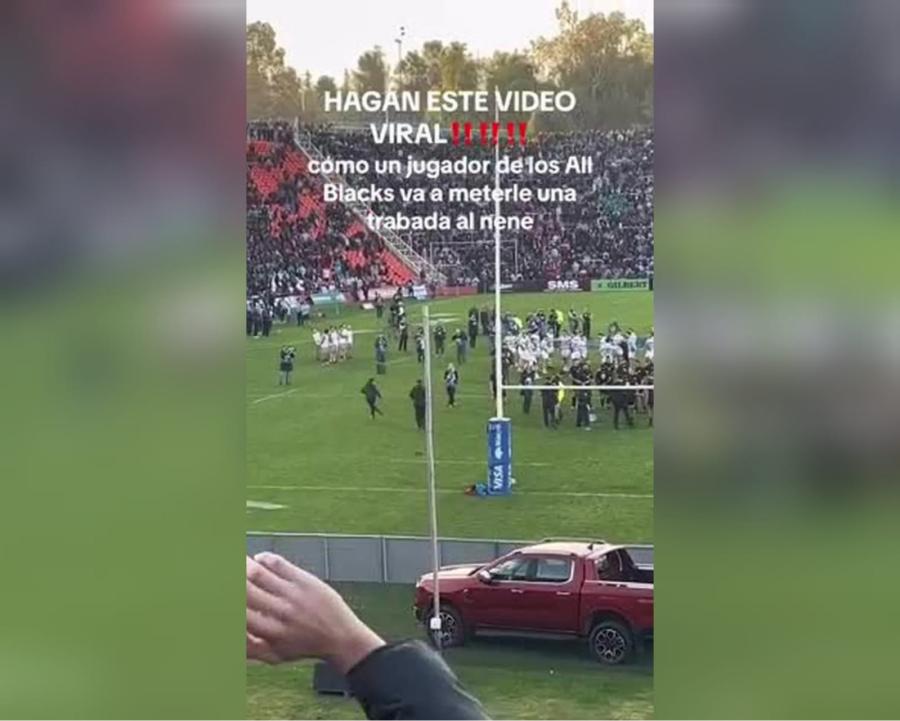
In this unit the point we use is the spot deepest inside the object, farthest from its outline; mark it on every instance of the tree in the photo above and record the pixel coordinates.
(607, 61)
(371, 71)
(325, 84)
(438, 67)
(509, 71)
(459, 71)
(273, 88)
(413, 73)
(432, 54)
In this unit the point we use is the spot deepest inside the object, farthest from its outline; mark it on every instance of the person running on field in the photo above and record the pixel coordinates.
(373, 395)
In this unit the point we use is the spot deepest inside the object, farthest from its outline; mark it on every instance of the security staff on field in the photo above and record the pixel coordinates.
(527, 393)
(420, 345)
(583, 409)
(473, 327)
(417, 395)
(381, 346)
(459, 338)
(286, 364)
(621, 399)
(586, 324)
(404, 334)
(549, 399)
(440, 337)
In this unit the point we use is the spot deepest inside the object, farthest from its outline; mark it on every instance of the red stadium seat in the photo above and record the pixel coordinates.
(275, 170)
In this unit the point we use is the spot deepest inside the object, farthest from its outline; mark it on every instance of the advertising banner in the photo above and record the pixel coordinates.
(562, 286)
(621, 284)
(335, 298)
(454, 291)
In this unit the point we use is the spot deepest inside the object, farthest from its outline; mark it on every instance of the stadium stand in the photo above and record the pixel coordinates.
(298, 243)
(295, 241)
(608, 233)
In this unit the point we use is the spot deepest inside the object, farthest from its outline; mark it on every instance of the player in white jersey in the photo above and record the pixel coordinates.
(527, 353)
(545, 352)
(618, 352)
(341, 344)
(348, 339)
(649, 347)
(607, 349)
(565, 349)
(334, 345)
(578, 351)
(631, 342)
(318, 338)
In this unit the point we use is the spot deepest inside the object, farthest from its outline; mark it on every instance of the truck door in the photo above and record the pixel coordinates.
(498, 604)
(549, 599)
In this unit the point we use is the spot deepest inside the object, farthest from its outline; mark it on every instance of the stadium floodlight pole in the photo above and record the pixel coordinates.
(435, 622)
(498, 332)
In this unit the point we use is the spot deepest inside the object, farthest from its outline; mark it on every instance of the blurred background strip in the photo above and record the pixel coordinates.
(121, 259)
(778, 414)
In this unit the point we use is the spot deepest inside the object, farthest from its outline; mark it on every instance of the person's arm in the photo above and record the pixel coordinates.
(291, 614)
(410, 681)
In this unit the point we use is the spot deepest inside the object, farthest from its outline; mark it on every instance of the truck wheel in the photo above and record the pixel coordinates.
(453, 631)
(611, 642)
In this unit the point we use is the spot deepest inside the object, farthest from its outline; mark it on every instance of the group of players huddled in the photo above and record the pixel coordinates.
(334, 344)
(547, 351)
(552, 350)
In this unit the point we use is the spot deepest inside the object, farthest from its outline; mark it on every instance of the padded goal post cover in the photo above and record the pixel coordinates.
(499, 436)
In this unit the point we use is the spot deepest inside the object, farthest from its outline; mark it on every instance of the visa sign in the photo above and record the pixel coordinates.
(499, 457)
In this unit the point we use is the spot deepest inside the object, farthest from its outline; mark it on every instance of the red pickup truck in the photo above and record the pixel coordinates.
(595, 591)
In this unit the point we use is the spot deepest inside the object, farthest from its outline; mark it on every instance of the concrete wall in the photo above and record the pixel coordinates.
(384, 559)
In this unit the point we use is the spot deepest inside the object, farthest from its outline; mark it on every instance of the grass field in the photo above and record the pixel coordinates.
(512, 678)
(313, 449)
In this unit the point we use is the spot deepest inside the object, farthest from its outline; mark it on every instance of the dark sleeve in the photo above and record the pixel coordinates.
(410, 681)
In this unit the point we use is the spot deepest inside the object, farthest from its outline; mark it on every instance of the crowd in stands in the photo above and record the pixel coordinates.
(298, 244)
(607, 233)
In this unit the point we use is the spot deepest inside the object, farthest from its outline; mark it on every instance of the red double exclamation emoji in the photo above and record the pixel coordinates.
(511, 133)
(483, 133)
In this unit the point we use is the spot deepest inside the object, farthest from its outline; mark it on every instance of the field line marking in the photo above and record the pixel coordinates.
(264, 506)
(275, 395)
(382, 489)
(459, 461)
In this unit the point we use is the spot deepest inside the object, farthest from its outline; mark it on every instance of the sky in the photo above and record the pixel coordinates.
(326, 36)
